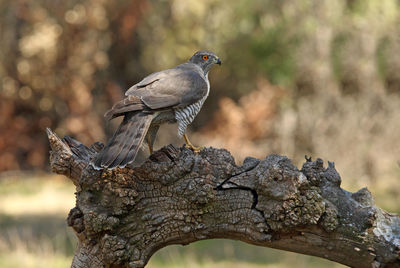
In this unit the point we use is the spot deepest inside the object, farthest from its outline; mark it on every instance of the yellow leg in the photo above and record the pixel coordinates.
(149, 144)
(191, 146)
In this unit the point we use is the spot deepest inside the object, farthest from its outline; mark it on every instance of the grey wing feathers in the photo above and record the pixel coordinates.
(176, 87)
(160, 101)
(149, 80)
(129, 104)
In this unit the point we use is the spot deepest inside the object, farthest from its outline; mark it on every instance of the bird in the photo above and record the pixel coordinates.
(174, 95)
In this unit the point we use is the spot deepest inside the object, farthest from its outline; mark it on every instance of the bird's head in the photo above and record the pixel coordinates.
(205, 59)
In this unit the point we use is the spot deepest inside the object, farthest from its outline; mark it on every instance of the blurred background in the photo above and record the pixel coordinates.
(299, 77)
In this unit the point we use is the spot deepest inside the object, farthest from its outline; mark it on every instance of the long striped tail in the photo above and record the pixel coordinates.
(126, 142)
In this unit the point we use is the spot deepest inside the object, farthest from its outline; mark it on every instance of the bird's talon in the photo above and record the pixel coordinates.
(189, 145)
(195, 149)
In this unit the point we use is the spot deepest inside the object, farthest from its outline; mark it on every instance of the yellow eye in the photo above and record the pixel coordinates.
(205, 57)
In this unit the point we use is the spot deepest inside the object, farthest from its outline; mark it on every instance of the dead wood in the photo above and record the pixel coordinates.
(122, 217)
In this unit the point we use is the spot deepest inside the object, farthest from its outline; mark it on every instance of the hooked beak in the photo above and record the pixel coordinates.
(218, 61)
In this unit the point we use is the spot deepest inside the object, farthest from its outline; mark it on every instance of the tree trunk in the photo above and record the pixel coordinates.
(123, 216)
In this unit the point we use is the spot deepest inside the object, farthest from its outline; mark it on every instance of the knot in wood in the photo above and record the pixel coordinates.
(278, 178)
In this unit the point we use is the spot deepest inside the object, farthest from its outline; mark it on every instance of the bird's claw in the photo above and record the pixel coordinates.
(195, 149)
(189, 145)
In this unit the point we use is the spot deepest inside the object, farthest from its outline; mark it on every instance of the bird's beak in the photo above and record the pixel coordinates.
(218, 61)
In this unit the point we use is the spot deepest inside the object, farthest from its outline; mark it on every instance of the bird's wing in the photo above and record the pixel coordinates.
(129, 104)
(176, 87)
(176, 90)
(154, 77)
(149, 80)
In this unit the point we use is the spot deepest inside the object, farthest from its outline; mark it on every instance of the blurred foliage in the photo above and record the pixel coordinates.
(56, 71)
(298, 77)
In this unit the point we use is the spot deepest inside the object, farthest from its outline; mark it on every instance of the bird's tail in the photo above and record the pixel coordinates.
(126, 142)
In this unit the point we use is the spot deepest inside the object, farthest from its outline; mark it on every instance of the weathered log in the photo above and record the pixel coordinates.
(123, 216)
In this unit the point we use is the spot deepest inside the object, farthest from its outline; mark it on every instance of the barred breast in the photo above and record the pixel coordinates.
(184, 116)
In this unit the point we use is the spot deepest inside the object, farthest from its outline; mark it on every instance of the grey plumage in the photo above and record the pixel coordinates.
(123, 145)
(173, 95)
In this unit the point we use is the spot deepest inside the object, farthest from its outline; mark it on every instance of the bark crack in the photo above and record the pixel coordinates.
(251, 190)
(246, 168)
(240, 187)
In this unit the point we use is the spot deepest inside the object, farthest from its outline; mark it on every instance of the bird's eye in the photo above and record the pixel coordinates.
(205, 57)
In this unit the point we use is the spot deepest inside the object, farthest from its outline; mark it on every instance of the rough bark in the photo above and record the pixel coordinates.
(123, 216)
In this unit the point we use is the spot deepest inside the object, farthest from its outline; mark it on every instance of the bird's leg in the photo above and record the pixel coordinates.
(191, 146)
(149, 145)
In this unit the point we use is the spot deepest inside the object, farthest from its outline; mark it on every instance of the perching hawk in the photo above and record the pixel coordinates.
(169, 96)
